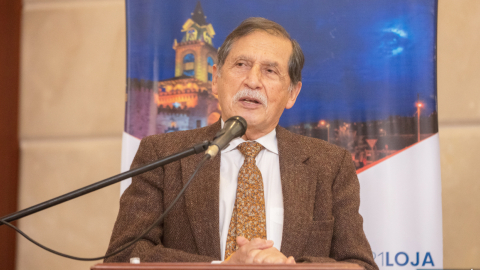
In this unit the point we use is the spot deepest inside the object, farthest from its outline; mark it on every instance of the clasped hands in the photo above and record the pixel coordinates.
(257, 251)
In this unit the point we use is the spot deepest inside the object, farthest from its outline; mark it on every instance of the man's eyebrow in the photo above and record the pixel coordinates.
(270, 64)
(243, 57)
(251, 59)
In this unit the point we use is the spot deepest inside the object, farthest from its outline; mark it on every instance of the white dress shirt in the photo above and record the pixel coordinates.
(268, 163)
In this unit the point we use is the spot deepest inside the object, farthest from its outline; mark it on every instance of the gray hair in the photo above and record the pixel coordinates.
(296, 61)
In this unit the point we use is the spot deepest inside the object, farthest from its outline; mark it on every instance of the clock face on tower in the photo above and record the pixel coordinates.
(207, 38)
(191, 34)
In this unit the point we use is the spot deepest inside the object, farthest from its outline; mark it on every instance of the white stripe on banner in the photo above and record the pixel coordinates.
(402, 208)
(130, 146)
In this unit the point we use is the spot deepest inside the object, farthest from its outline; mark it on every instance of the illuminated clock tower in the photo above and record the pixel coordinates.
(195, 54)
(186, 101)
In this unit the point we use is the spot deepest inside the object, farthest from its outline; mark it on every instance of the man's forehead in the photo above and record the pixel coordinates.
(244, 48)
(274, 36)
(253, 58)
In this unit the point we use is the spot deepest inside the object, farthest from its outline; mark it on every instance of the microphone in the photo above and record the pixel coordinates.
(234, 127)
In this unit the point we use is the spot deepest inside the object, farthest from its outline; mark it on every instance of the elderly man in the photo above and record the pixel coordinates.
(269, 197)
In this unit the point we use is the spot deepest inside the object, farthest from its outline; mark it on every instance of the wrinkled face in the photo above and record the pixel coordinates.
(254, 82)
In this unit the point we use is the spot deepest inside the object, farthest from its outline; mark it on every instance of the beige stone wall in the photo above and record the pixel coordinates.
(72, 106)
(71, 121)
(459, 116)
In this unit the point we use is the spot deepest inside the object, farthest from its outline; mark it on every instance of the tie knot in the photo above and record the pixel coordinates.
(250, 149)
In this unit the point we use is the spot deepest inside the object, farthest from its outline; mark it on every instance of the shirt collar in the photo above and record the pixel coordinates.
(268, 141)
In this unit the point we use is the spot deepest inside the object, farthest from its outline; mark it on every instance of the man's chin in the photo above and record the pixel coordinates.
(255, 125)
(255, 118)
(251, 120)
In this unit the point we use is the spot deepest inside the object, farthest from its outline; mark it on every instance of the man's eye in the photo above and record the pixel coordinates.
(240, 64)
(271, 71)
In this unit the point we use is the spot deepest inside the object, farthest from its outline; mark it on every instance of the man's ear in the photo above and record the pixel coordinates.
(293, 95)
(214, 79)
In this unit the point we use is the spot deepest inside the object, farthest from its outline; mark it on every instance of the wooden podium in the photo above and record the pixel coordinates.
(203, 266)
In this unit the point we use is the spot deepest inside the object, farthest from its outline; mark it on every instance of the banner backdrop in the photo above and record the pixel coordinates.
(369, 85)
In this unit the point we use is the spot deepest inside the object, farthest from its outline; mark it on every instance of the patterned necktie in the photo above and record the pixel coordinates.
(248, 216)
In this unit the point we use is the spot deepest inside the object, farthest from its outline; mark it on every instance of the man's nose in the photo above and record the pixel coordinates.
(254, 78)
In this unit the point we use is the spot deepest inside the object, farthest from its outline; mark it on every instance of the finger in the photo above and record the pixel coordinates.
(290, 260)
(257, 243)
(275, 259)
(260, 256)
(251, 255)
(271, 255)
(247, 252)
(241, 241)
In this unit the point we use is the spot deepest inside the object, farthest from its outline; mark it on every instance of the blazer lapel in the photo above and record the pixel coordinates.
(202, 197)
(298, 193)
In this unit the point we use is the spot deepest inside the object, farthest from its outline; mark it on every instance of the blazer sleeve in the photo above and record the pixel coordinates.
(349, 243)
(140, 206)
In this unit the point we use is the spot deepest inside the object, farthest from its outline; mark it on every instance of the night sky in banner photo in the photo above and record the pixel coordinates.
(365, 60)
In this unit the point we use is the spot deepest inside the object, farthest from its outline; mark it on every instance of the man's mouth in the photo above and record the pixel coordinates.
(250, 100)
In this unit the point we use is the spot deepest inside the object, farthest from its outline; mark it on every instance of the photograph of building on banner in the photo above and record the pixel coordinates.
(368, 81)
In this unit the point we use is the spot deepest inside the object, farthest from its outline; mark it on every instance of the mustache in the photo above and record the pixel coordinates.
(251, 94)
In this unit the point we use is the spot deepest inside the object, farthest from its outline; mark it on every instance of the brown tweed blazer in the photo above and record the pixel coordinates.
(320, 193)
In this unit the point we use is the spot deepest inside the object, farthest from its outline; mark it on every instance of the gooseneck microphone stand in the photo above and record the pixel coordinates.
(234, 127)
(199, 148)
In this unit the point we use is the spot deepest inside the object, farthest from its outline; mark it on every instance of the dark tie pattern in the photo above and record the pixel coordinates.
(248, 217)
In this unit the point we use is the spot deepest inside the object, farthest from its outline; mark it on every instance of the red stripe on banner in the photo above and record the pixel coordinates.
(387, 157)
